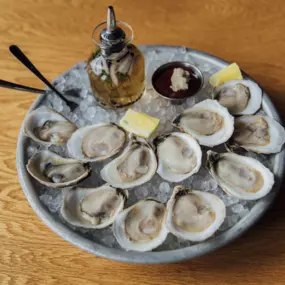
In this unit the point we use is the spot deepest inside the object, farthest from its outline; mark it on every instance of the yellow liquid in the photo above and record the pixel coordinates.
(129, 88)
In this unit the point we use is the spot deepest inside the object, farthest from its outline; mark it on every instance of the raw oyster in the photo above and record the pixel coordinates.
(194, 215)
(241, 97)
(55, 171)
(243, 177)
(93, 208)
(96, 142)
(179, 156)
(260, 134)
(135, 166)
(208, 122)
(46, 126)
(141, 226)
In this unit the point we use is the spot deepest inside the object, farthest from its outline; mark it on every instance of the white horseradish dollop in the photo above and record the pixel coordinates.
(179, 79)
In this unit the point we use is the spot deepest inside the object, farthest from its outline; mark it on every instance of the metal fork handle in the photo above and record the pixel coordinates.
(16, 51)
(15, 86)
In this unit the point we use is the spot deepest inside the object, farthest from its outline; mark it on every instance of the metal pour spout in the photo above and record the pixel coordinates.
(111, 19)
(112, 37)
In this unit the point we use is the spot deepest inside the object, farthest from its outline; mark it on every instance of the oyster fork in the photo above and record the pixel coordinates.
(17, 52)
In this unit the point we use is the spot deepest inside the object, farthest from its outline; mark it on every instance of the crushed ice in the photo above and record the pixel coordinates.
(75, 83)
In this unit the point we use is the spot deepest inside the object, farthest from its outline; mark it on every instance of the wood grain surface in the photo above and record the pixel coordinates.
(56, 34)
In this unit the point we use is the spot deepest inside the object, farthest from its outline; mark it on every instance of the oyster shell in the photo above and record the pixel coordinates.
(260, 134)
(93, 208)
(135, 166)
(96, 142)
(241, 97)
(55, 171)
(46, 126)
(141, 226)
(194, 215)
(243, 177)
(208, 122)
(179, 156)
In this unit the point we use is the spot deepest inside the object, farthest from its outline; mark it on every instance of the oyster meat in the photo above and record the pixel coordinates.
(46, 126)
(208, 122)
(141, 226)
(194, 215)
(96, 142)
(260, 134)
(241, 97)
(243, 177)
(55, 171)
(179, 156)
(135, 166)
(93, 208)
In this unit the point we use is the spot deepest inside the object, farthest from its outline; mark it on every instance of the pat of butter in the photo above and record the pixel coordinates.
(139, 124)
(179, 79)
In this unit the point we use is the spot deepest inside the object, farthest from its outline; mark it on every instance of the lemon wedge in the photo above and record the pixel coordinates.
(231, 72)
(139, 123)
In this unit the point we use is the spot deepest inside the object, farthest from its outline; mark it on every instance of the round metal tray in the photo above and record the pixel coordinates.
(29, 187)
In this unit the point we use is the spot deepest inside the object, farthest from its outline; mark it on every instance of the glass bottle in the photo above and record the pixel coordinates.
(116, 68)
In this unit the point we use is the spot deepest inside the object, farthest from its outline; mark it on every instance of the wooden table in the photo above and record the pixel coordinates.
(56, 34)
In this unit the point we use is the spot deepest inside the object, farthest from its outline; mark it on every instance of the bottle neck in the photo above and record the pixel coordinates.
(114, 54)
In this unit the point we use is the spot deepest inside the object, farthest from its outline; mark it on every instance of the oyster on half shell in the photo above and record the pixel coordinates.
(93, 208)
(243, 177)
(55, 171)
(194, 215)
(240, 97)
(260, 134)
(96, 142)
(46, 126)
(141, 227)
(208, 122)
(135, 166)
(179, 156)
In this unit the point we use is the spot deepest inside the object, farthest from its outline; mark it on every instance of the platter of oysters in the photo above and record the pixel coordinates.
(168, 174)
